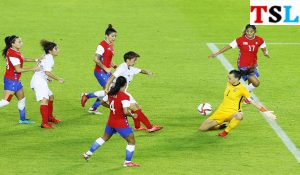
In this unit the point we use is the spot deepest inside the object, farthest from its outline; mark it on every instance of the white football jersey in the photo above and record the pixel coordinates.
(47, 62)
(126, 71)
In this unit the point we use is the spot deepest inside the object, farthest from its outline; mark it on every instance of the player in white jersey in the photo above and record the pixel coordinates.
(127, 70)
(39, 83)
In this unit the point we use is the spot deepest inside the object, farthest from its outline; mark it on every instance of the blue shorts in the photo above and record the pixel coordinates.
(102, 77)
(124, 132)
(249, 72)
(12, 85)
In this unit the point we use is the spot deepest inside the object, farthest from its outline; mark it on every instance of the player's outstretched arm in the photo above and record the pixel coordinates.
(264, 110)
(224, 49)
(104, 103)
(54, 77)
(19, 69)
(146, 72)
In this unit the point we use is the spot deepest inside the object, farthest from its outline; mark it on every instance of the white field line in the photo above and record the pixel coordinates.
(269, 43)
(279, 131)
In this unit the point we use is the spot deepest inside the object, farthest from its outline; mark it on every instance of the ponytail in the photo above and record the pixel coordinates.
(8, 43)
(110, 30)
(120, 82)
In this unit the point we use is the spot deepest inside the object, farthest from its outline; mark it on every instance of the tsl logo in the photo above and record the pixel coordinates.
(275, 12)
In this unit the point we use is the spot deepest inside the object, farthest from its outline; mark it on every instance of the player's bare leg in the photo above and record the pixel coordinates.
(7, 96)
(253, 82)
(208, 124)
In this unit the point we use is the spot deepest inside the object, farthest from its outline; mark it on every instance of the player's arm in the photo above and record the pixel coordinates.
(114, 65)
(32, 59)
(224, 49)
(146, 72)
(108, 83)
(105, 102)
(262, 109)
(98, 62)
(128, 113)
(265, 50)
(19, 69)
(54, 77)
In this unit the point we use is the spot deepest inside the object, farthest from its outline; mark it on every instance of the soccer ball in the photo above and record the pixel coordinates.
(205, 109)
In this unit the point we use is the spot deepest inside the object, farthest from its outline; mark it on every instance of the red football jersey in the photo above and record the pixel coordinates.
(106, 55)
(117, 118)
(10, 69)
(248, 50)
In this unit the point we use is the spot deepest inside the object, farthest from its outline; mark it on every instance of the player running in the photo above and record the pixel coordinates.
(127, 70)
(248, 45)
(39, 83)
(103, 60)
(14, 69)
(117, 122)
(230, 109)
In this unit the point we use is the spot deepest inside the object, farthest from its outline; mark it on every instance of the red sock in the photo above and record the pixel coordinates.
(143, 118)
(50, 109)
(137, 123)
(44, 112)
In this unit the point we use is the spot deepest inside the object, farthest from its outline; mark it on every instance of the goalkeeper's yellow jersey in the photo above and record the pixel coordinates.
(233, 98)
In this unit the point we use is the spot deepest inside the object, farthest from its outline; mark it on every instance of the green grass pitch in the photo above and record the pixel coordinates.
(171, 38)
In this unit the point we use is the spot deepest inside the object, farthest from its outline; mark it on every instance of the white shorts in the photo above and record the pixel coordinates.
(40, 87)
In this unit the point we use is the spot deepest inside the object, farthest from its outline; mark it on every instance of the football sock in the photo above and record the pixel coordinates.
(44, 113)
(129, 153)
(232, 124)
(91, 95)
(50, 109)
(97, 103)
(137, 123)
(143, 118)
(22, 109)
(95, 146)
(99, 93)
(3, 103)
(250, 87)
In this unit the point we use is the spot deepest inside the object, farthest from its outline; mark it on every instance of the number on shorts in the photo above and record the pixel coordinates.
(112, 107)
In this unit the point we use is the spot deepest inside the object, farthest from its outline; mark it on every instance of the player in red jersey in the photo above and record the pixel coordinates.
(248, 44)
(119, 108)
(102, 71)
(14, 69)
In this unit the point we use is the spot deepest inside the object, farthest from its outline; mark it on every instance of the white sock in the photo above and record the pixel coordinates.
(250, 87)
(3, 103)
(99, 93)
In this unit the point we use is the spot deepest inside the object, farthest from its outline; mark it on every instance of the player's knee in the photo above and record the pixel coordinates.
(51, 97)
(239, 116)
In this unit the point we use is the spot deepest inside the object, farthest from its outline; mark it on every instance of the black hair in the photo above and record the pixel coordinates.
(236, 73)
(249, 26)
(9, 40)
(130, 55)
(120, 82)
(47, 45)
(110, 30)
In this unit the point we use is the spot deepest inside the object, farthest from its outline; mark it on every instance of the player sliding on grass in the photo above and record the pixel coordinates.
(248, 44)
(117, 122)
(127, 70)
(39, 83)
(103, 60)
(230, 109)
(14, 69)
